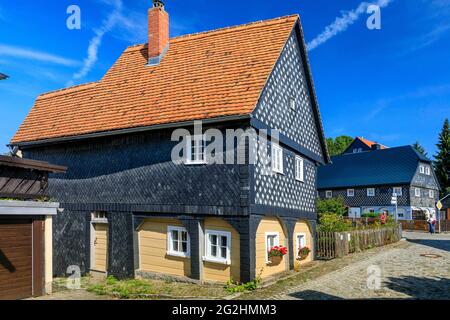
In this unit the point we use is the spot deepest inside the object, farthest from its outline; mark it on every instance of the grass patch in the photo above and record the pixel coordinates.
(154, 289)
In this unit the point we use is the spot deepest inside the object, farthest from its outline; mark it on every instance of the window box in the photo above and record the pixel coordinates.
(303, 253)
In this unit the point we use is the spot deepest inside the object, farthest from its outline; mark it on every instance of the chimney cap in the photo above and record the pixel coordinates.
(158, 4)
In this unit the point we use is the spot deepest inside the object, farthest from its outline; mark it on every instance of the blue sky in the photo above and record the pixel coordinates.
(390, 85)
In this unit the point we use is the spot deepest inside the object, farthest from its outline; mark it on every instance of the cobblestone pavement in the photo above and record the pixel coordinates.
(405, 274)
(72, 295)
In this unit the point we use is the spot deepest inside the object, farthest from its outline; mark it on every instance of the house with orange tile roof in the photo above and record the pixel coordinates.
(146, 195)
(360, 144)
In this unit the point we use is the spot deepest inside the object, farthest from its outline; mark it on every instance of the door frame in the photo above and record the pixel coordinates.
(96, 220)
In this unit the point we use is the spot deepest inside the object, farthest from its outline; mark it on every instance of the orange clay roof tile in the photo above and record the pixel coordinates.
(205, 75)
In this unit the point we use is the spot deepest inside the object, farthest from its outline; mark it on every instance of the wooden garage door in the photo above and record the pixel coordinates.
(15, 260)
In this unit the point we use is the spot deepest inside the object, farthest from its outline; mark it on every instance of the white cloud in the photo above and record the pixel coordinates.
(341, 23)
(30, 54)
(92, 53)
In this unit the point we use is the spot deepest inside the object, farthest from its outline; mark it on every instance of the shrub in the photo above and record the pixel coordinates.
(234, 287)
(334, 205)
(370, 215)
(330, 222)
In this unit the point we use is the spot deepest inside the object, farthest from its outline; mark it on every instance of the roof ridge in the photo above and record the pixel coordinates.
(231, 28)
(218, 30)
(67, 90)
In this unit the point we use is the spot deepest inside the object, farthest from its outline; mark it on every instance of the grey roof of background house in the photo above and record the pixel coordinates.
(3, 76)
(382, 167)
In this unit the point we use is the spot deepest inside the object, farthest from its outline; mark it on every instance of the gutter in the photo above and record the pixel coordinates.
(102, 134)
(28, 208)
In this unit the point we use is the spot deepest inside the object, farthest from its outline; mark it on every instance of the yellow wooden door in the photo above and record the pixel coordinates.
(101, 247)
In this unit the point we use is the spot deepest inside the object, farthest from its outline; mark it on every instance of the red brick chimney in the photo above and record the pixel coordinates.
(158, 32)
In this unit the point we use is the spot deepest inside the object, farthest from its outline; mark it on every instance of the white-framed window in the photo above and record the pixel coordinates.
(292, 103)
(99, 217)
(299, 169)
(196, 147)
(398, 191)
(422, 169)
(178, 242)
(300, 239)
(431, 194)
(427, 171)
(371, 192)
(218, 246)
(417, 192)
(350, 192)
(328, 194)
(277, 158)
(272, 240)
(357, 150)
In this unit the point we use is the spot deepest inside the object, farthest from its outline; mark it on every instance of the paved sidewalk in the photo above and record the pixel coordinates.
(405, 274)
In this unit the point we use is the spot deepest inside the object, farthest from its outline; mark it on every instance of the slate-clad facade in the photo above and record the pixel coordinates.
(401, 170)
(127, 180)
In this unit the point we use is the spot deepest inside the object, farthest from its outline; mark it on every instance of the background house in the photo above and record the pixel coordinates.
(3, 76)
(445, 207)
(130, 210)
(361, 144)
(367, 181)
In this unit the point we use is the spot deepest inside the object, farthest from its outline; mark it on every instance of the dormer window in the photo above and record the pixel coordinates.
(427, 171)
(196, 146)
(422, 169)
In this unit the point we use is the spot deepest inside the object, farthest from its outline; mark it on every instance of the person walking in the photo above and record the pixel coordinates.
(431, 223)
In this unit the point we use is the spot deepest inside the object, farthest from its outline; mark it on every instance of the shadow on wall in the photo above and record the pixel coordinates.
(4, 261)
(313, 295)
(421, 288)
(437, 244)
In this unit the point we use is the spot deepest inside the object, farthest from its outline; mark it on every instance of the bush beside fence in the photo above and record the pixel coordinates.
(332, 245)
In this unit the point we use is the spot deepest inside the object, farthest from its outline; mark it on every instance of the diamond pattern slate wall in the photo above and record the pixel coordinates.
(287, 81)
(283, 190)
(382, 197)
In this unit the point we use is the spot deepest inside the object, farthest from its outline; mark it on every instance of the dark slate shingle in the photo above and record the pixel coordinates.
(382, 167)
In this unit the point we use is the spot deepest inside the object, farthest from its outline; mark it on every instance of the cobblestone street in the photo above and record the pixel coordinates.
(405, 274)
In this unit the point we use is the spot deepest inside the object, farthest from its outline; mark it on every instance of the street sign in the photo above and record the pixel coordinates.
(439, 205)
(394, 199)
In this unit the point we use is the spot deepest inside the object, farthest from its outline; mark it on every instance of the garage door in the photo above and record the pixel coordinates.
(15, 259)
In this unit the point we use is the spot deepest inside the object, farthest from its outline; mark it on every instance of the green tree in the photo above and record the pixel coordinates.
(334, 205)
(442, 159)
(419, 148)
(338, 145)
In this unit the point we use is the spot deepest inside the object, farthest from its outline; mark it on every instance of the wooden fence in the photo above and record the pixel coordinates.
(332, 245)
